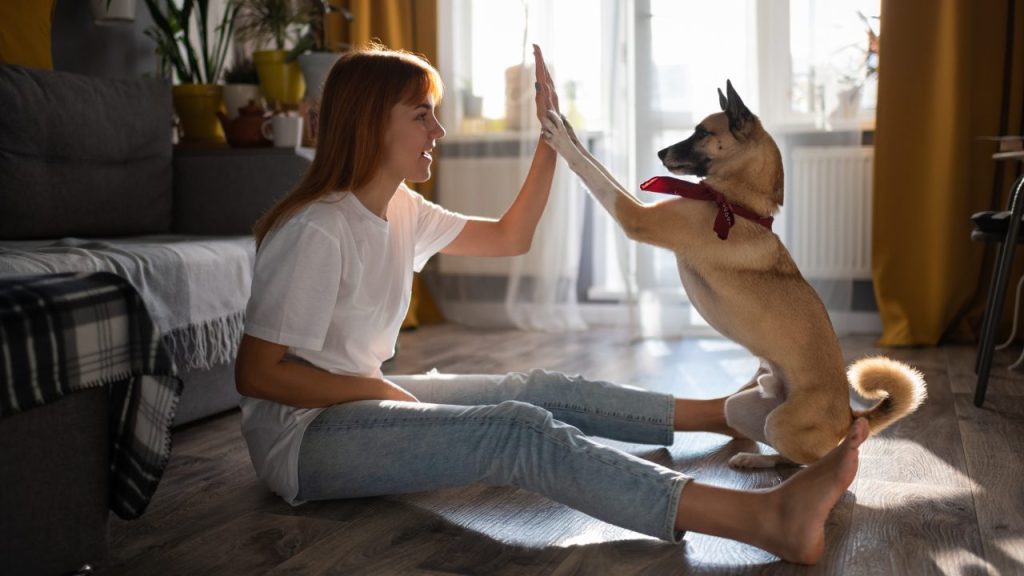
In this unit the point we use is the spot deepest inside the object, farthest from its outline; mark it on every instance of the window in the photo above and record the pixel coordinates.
(488, 41)
(827, 78)
(802, 65)
(644, 72)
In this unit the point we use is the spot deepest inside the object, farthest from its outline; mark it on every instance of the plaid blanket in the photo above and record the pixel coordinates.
(65, 332)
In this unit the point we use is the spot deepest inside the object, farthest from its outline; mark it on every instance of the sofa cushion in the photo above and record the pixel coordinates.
(83, 156)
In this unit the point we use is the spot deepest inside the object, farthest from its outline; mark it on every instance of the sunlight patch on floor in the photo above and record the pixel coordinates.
(1013, 548)
(953, 557)
(593, 533)
(656, 347)
(879, 451)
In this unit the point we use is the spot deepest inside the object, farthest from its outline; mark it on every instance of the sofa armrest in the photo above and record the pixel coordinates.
(224, 191)
(56, 485)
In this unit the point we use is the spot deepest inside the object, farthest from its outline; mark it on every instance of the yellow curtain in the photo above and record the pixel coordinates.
(950, 73)
(408, 25)
(25, 33)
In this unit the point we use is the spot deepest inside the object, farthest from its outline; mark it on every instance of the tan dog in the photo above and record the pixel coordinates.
(744, 282)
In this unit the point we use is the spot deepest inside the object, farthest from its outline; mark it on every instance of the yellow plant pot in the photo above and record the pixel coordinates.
(197, 106)
(280, 81)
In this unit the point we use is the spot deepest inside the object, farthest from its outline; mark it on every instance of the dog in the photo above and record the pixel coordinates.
(743, 281)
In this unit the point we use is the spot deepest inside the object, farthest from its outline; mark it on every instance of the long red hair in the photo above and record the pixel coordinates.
(359, 93)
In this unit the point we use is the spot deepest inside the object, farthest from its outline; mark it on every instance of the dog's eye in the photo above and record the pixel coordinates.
(700, 132)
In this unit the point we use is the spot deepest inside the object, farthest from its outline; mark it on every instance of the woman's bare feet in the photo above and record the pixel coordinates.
(799, 507)
(788, 520)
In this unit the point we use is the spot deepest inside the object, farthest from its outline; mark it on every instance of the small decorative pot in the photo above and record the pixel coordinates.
(197, 106)
(315, 67)
(280, 81)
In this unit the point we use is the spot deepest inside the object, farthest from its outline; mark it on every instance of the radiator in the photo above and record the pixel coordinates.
(479, 186)
(481, 177)
(828, 200)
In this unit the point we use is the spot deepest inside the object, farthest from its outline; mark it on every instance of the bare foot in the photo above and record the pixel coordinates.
(800, 506)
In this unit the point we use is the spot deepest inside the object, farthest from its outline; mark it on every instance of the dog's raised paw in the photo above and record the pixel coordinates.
(554, 130)
(751, 460)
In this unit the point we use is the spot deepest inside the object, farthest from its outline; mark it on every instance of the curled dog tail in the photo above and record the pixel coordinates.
(900, 388)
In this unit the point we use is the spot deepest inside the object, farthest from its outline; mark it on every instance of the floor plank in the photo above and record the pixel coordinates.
(994, 444)
(938, 492)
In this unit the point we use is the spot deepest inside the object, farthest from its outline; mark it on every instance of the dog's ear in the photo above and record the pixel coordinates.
(722, 100)
(735, 110)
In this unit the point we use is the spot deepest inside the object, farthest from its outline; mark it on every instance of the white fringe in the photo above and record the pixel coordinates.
(207, 344)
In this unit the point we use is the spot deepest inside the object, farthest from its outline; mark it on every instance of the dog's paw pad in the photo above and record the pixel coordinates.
(748, 460)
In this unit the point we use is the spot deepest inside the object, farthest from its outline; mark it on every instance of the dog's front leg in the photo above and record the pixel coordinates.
(623, 206)
(586, 153)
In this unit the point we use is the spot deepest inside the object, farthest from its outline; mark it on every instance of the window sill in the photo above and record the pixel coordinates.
(507, 136)
(812, 127)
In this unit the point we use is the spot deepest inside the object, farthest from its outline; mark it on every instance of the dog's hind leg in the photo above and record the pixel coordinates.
(746, 412)
(755, 381)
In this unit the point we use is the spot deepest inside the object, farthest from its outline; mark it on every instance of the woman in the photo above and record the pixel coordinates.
(331, 286)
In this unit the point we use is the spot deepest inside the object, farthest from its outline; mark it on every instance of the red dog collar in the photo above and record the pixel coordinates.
(701, 191)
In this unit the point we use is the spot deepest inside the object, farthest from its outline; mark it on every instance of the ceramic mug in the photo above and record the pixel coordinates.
(285, 130)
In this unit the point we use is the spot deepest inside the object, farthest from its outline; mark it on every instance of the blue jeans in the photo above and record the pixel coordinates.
(521, 429)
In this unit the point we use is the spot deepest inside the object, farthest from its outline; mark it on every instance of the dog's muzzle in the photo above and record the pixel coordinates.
(680, 158)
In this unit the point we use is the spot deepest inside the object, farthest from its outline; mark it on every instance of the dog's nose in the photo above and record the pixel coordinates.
(662, 153)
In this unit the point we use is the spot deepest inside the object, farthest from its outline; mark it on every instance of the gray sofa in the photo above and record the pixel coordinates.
(89, 180)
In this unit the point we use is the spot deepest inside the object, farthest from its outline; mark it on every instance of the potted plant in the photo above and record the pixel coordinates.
(318, 48)
(195, 64)
(852, 83)
(276, 23)
(241, 84)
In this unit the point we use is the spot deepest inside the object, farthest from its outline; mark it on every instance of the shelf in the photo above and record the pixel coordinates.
(845, 125)
(1012, 155)
(236, 152)
(519, 136)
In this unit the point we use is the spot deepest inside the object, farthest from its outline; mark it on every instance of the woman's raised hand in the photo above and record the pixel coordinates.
(546, 97)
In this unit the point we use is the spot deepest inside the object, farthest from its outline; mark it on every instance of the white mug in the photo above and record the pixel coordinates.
(284, 129)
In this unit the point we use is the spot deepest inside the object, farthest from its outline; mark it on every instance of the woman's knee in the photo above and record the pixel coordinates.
(539, 380)
(519, 412)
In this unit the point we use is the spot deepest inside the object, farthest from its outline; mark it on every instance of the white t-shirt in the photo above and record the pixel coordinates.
(333, 283)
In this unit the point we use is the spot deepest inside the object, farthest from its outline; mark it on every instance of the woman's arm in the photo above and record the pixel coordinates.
(513, 233)
(262, 372)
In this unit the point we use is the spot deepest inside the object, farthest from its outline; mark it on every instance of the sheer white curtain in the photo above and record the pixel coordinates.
(542, 291)
(487, 54)
(685, 51)
(635, 76)
(633, 83)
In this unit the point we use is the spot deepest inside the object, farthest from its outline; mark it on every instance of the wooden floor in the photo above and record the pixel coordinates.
(941, 492)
